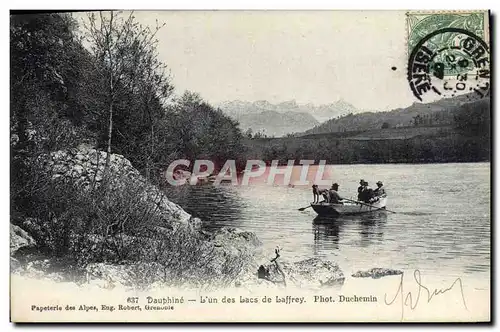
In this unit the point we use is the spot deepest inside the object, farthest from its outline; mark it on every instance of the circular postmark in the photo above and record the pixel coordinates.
(449, 62)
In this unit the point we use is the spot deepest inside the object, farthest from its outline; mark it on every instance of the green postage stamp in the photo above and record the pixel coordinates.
(421, 24)
(448, 54)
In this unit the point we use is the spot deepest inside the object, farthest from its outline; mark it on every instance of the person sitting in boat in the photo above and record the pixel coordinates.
(360, 189)
(379, 192)
(367, 193)
(334, 195)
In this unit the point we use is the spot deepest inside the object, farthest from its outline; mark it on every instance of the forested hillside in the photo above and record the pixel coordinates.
(438, 113)
(460, 133)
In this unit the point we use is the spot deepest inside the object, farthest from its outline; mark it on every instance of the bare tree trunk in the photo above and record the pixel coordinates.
(149, 162)
(152, 138)
(150, 157)
(110, 133)
(111, 92)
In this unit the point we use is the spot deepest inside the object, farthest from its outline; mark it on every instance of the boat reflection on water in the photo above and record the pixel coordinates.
(372, 226)
(327, 229)
(369, 226)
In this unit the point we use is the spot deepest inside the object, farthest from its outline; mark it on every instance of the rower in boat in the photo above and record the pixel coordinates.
(366, 193)
(360, 189)
(334, 195)
(379, 192)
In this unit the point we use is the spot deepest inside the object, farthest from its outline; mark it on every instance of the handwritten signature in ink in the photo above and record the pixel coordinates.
(412, 301)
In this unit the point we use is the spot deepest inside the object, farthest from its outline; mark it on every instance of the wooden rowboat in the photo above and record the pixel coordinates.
(348, 208)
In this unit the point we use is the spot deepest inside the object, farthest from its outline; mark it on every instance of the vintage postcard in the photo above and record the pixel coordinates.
(250, 166)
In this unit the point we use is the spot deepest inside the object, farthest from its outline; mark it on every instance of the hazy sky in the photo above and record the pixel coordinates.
(310, 56)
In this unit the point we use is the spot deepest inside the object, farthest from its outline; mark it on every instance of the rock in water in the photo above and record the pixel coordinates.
(308, 273)
(376, 273)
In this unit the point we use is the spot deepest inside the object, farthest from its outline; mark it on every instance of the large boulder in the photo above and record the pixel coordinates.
(85, 166)
(233, 253)
(312, 273)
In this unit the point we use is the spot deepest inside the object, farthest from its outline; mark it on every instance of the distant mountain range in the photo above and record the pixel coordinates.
(272, 123)
(283, 118)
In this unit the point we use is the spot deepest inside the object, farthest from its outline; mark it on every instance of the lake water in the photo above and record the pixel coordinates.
(442, 224)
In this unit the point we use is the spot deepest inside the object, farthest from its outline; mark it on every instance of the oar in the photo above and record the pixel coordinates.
(347, 199)
(302, 209)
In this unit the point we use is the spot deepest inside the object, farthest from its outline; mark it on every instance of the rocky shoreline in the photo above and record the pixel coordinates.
(232, 250)
(311, 273)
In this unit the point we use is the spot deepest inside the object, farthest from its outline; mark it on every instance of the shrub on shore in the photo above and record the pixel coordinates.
(117, 222)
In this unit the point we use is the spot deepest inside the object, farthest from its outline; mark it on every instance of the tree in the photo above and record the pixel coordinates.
(41, 49)
(43, 53)
(248, 133)
(126, 58)
(201, 132)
